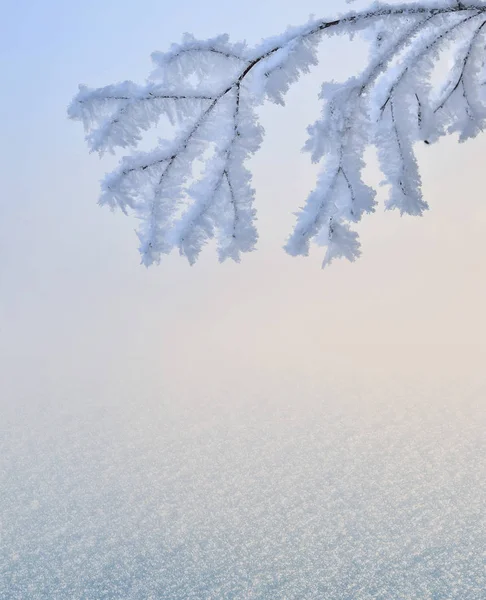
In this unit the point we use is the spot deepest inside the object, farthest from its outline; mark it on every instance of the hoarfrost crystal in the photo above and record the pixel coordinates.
(209, 91)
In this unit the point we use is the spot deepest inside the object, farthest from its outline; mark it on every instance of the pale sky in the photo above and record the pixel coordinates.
(71, 275)
(83, 325)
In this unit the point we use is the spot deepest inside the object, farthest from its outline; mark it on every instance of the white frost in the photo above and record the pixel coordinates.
(209, 90)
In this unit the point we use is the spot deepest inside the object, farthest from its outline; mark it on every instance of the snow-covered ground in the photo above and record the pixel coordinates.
(262, 487)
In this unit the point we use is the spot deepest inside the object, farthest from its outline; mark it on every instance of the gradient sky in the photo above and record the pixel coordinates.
(70, 279)
(83, 324)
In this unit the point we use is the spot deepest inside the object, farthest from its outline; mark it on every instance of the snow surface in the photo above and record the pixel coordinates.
(361, 491)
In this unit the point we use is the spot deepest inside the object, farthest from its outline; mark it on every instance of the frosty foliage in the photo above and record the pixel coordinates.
(209, 91)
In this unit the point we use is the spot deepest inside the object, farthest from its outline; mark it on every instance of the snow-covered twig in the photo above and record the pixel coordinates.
(210, 89)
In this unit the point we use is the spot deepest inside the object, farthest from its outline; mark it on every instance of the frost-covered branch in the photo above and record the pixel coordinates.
(209, 90)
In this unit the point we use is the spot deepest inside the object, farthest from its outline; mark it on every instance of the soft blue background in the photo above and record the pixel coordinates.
(262, 430)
